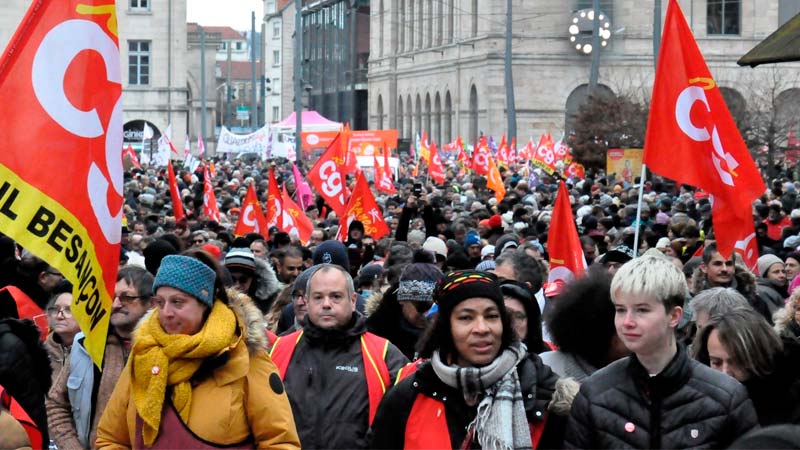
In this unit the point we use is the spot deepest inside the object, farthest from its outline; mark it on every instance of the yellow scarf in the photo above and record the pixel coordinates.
(161, 360)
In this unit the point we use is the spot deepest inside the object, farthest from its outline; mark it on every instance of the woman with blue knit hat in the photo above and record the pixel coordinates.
(198, 375)
(480, 388)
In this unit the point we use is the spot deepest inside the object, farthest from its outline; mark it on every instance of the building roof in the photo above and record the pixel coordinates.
(226, 33)
(240, 70)
(781, 46)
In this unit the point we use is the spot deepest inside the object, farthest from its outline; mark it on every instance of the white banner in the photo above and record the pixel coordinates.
(247, 143)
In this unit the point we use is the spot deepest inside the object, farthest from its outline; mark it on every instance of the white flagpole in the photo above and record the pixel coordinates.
(639, 213)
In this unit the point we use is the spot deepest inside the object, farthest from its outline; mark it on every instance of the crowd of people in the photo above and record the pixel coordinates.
(442, 334)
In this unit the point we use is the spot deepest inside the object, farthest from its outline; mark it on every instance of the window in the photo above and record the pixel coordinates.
(723, 16)
(276, 57)
(239, 45)
(223, 45)
(140, 5)
(270, 8)
(138, 63)
(276, 113)
(276, 85)
(276, 29)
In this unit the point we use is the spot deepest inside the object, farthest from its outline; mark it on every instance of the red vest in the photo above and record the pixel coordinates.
(373, 351)
(31, 429)
(426, 427)
(28, 309)
(407, 370)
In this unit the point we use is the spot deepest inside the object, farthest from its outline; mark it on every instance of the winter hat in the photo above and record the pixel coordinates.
(461, 285)
(485, 266)
(505, 242)
(332, 252)
(472, 239)
(213, 249)
(369, 273)
(436, 246)
(662, 243)
(765, 262)
(241, 258)
(301, 281)
(621, 254)
(417, 282)
(487, 250)
(155, 252)
(662, 218)
(792, 242)
(495, 221)
(188, 275)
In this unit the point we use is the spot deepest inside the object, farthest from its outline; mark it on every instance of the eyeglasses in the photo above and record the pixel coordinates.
(126, 299)
(240, 278)
(199, 241)
(53, 311)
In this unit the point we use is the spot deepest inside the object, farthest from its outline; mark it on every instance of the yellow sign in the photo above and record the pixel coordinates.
(625, 164)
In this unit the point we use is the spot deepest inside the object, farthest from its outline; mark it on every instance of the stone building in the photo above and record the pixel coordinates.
(438, 65)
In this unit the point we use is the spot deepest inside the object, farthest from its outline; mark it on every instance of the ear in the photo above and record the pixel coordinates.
(703, 268)
(675, 317)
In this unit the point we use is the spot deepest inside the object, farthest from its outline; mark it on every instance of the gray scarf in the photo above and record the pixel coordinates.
(501, 422)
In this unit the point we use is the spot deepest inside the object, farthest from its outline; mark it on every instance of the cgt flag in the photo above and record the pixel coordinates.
(495, 182)
(274, 204)
(327, 178)
(210, 209)
(435, 168)
(692, 138)
(61, 168)
(251, 220)
(567, 261)
(174, 193)
(295, 221)
(362, 207)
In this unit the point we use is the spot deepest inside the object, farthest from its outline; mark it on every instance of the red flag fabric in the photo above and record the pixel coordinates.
(512, 151)
(567, 261)
(210, 209)
(691, 136)
(174, 193)
(328, 180)
(495, 182)
(295, 221)
(274, 204)
(425, 149)
(348, 154)
(131, 154)
(251, 219)
(747, 248)
(560, 150)
(544, 157)
(574, 169)
(362, 207)
(481, 157)
(503, 153)
(383, 181)
(61, 172)
(435, 168)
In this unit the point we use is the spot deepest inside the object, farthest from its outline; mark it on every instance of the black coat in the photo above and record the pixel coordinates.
(536, 380)
(687, 405)
(388, 322)
(25, 368)
(327, 386)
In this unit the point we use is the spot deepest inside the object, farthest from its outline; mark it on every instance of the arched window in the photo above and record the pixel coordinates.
(575, 99)
(437, 119)
(380, 112)
(418, 113)
(736, 104)
(428, 115)
(410, 116)
(400, 122)
(474, 18)
(448, 118)
(473, 114)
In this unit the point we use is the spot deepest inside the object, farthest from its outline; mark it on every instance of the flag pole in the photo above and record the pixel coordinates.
(639, 213)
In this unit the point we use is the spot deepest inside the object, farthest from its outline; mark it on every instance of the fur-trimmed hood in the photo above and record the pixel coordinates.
(268, 284)
(743, 281)
(373, 302)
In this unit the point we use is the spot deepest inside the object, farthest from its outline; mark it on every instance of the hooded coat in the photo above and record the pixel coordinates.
(743, 281)
(267, 286)
(245, 395)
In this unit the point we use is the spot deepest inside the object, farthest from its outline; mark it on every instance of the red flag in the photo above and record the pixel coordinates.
(274, 205)
(131, 154)
(691, 136)
(295, 221)
(544, 156)
(495, 182)
(362, 207)
(387, 169)
(574, 170)
(747, 248)
(512, 151)
(61, 173)
(327, 179)
(503, 153)
(435, 168)
(174, 193)
(210, 208)
(481, 157)
(251, 219)
(383, 181)
(566, 253)
(526, 154)
(425, 149)
(560, 150)
(348, 155)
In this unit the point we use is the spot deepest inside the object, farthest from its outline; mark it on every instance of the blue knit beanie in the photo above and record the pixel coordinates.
(472, 239)
(188, 275)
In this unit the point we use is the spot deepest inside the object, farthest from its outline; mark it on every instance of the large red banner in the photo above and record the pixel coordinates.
(362, 142)
(61, 165)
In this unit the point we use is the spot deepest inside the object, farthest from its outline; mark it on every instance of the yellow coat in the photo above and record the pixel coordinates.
(239, 398)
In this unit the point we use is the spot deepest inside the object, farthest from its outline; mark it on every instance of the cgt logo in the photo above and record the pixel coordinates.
(724, 162)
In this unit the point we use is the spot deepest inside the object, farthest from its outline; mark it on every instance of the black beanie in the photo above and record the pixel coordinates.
(462, 285)
(417, 282)
(332, 252)
(155, 252)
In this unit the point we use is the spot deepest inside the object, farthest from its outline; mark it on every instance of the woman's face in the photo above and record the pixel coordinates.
(519, 319)
(477, 331)
(643, 324)
(777, 274)
(60, 318)
(179, 312)
(792, 268)
(720, 359)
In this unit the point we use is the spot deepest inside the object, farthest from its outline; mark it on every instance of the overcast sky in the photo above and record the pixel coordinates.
(234, 13)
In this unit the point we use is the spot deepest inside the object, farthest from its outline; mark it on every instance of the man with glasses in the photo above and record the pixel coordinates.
(199, 238)
(253, 276)
(79, 395)
(27, 296)
(334, 365)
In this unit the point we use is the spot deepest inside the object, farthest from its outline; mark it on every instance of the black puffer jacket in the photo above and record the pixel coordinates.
(536, 380)
(327, 386)
(687, 405)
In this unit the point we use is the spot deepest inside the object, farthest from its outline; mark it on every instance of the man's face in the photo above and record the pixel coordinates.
(127, 308)
(774, 215)
(505, 270)
(474, 250)
(329, 304)
(259, 249)
(316, 238)
(718, 270)
(290, 268)
(393, 223)
(590, 251)
(139, 228)
(356, 234)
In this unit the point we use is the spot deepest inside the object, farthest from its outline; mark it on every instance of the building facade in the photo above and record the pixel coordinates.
(273, 59)
(438, 65)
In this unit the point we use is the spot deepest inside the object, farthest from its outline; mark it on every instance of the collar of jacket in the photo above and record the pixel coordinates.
(333, 338)
(672, 378)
